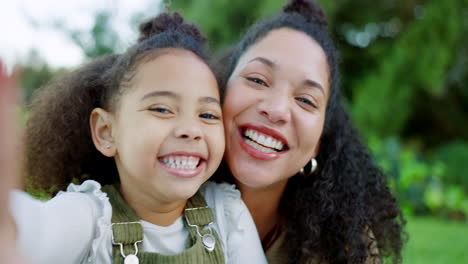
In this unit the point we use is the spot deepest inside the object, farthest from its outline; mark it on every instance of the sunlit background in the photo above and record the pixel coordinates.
(404, 66)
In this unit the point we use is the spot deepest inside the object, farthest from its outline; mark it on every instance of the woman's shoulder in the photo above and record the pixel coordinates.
(225, 198)
(237, 228)
(227, 206)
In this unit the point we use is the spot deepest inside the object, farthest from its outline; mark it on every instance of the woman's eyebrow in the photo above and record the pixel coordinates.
(160, 93)
(314, 84)
(265, 61)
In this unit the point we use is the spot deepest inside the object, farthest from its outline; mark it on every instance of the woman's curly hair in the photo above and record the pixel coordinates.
(337, 214)
(59, 147)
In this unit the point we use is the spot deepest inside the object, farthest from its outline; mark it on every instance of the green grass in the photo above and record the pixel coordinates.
(435, 241)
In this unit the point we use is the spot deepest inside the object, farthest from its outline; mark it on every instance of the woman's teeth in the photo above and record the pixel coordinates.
(181, 162)
(262, 142)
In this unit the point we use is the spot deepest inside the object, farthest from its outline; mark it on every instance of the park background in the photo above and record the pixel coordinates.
(404, 66)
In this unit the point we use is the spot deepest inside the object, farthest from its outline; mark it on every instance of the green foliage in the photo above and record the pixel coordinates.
(418, 61)
(34, 74)
(103, 38)
(455, 156)
(224, 21)
(419, 184)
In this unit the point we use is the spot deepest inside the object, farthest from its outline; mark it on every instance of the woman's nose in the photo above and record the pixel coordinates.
(275, 107)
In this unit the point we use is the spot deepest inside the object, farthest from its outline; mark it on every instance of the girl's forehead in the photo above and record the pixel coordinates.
(179, 71)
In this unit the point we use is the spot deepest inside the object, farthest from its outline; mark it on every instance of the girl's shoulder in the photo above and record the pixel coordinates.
(89, 189)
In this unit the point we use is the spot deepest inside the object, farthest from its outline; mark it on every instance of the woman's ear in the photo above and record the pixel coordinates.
(101, 123)
(317, 149)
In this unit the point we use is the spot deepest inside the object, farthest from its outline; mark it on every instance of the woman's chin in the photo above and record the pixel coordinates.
(255, 180)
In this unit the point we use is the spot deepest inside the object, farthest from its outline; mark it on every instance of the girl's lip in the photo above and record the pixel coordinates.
(184, 173)
(184, 153)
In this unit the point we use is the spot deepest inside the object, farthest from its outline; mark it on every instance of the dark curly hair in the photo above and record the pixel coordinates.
(59, 147)
(337, 214)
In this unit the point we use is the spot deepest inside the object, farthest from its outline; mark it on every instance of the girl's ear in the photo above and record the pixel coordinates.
(100, 123)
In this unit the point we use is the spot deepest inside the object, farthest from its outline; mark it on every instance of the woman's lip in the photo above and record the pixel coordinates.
(267, 131)
(255, 153)
(184, 173)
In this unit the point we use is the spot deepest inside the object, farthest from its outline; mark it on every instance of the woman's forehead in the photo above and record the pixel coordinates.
(288, 50)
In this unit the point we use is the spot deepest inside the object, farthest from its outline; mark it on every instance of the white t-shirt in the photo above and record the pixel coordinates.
(75, 226)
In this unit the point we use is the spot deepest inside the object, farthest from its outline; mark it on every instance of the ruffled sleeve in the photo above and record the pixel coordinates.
(63, 229)
(103, 216)
(241, 242)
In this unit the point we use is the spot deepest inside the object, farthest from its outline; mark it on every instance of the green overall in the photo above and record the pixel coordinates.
(128, 234)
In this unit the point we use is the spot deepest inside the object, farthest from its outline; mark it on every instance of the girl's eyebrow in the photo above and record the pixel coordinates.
(160, 93)
(209, 100)
(203, 100)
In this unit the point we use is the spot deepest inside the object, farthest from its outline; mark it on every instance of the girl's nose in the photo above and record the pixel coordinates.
(188, 130)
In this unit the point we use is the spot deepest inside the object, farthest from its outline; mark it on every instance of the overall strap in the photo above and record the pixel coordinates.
(128, 234)
(197, 211)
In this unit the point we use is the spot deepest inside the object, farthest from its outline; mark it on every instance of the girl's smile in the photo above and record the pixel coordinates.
(185, 165)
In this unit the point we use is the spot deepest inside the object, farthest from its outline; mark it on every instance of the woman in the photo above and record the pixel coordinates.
(312, 188)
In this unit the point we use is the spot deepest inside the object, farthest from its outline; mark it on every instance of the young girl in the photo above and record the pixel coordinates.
(145, 128)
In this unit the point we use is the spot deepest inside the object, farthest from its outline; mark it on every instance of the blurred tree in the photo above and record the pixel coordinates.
(416, 65)
(224, 21)
(103, 38)
(35, 72)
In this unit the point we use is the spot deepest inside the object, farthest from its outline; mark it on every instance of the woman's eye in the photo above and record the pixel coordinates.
(209, 116)
(306, 101)
(256, 80)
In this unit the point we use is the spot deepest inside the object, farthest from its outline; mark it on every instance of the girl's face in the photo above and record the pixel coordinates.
(167, 131)
(274, 108)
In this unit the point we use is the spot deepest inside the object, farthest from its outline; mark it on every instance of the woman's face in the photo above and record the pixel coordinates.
(274, 108)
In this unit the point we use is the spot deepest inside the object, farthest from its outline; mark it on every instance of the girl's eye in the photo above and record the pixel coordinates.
(209, 116)
(256, 80)
(161, 110)
(306, 101)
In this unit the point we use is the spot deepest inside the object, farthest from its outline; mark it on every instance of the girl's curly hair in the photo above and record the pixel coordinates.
(337, 214)
(59, 147)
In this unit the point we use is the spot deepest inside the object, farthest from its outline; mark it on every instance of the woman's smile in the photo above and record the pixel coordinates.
(261, 142)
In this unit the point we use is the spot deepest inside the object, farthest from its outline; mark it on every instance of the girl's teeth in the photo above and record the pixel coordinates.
(263, 141)
(181, 162)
